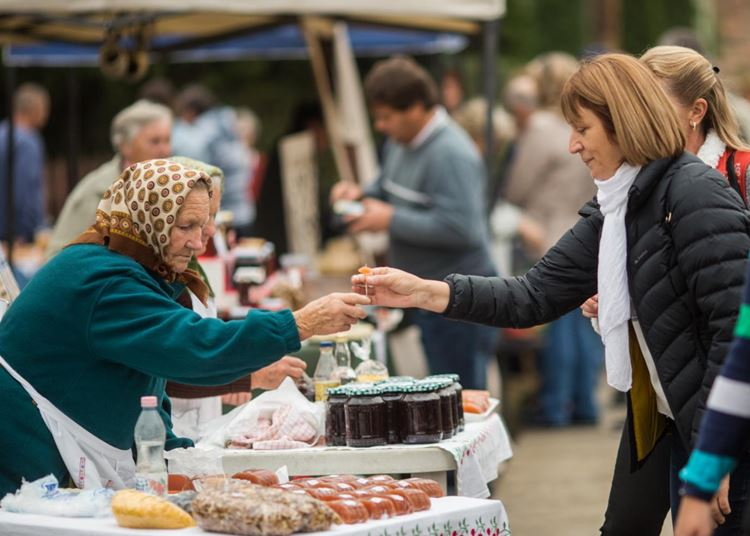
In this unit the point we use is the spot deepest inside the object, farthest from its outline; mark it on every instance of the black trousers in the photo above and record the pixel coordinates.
(640, 500)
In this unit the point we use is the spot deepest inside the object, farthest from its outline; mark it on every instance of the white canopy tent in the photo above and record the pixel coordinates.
(192, 22)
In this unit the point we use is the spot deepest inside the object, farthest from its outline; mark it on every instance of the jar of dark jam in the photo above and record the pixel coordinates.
(336, 416)
(421, 420)
(458, 417)
(392, 394)
(365, 417)
(447, 406)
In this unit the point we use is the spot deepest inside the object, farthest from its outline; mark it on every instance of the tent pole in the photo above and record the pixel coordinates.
(490, 32)
(10, 215)
(74, 129)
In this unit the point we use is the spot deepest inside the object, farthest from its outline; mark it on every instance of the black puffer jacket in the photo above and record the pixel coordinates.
(687, 249)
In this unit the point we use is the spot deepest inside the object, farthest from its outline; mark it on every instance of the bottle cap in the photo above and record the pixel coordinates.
(326, 344)
(148, 401)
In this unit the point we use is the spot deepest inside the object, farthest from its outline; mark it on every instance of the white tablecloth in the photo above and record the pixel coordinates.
(459, 516)
(473, 454)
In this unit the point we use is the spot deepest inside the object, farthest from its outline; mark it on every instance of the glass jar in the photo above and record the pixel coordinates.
(365, 417)
(336, 416)
(447, 406)
(458, 416)
(393, 394)
(421, 420)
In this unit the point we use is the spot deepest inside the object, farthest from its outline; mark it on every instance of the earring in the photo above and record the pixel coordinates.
(693, 124)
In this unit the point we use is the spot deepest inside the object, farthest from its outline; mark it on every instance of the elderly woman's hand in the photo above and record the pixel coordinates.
(390, 287)
(330, 314)
(270, 377)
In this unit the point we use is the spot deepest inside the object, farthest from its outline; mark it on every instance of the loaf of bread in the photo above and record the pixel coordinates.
(137, 510)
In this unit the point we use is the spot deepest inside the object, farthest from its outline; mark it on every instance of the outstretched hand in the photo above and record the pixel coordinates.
(390, 287)
(330, 314)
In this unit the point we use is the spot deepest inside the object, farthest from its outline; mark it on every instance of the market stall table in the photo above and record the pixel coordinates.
(459, 516)
(473, 455)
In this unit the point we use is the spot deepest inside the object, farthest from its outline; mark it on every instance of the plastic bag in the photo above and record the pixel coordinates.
(43, 496)
(280, 410)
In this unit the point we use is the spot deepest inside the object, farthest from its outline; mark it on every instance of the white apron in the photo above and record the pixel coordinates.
(189, 415)
(91, 462)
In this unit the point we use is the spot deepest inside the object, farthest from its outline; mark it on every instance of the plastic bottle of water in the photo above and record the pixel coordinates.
(150, 435)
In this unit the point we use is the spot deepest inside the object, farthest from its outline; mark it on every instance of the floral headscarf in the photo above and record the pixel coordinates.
(136, 215)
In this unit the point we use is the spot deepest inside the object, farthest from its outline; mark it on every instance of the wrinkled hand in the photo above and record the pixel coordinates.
(330, 314)
(377, 217)
(694, 518)
(390, 287)
(590, 307)
(345, 190)
(720, 503)
(271, 376)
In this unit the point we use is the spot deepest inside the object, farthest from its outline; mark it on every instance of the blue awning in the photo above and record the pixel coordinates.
(280, 42)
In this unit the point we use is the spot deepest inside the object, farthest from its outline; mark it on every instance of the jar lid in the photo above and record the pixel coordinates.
(455, 377)
(422, 386)
(341, 390)
(364, 390)
(395, 387)
(443, 382)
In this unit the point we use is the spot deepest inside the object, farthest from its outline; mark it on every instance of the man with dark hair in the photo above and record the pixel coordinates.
(430, 198)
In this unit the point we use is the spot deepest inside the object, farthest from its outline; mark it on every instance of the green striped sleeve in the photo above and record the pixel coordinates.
(742, 328)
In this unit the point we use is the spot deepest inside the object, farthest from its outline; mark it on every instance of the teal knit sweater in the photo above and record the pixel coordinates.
(93, 332)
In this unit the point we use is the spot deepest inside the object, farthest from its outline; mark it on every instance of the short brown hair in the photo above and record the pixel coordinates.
(631, 104)
(399, 82)
(689, 77)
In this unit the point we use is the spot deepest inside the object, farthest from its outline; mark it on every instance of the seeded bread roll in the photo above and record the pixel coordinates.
(137, 510)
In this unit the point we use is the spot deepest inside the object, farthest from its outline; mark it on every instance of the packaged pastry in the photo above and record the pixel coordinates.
(430, 487)
(324, 494)
(418, 499)
(378, 507)
(289, 486)
(236, 512)
(262, 477)
(350, 511)
(379, 479)
(137, 510)
(400, 503)
(379, 489)
(341, 486)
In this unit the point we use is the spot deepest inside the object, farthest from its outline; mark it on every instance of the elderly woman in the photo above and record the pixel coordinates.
(194, 406)
(99, 326)
(664, 241)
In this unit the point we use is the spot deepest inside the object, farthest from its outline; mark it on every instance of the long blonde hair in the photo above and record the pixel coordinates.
(631, 104)
(689, 77)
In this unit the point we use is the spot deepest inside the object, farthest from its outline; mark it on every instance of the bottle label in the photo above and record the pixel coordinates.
(152, 483)
(321, 389)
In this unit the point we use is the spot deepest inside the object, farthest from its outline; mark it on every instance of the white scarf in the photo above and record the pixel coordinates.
(712, 149)
(614, 296)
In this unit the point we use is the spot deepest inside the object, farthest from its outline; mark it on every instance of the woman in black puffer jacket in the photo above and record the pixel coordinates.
(665, 244)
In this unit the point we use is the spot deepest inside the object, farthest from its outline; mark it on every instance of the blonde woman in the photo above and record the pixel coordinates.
(697, 93)
(669, 284)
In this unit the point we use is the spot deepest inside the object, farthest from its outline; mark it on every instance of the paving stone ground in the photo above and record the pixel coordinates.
(558, 480)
